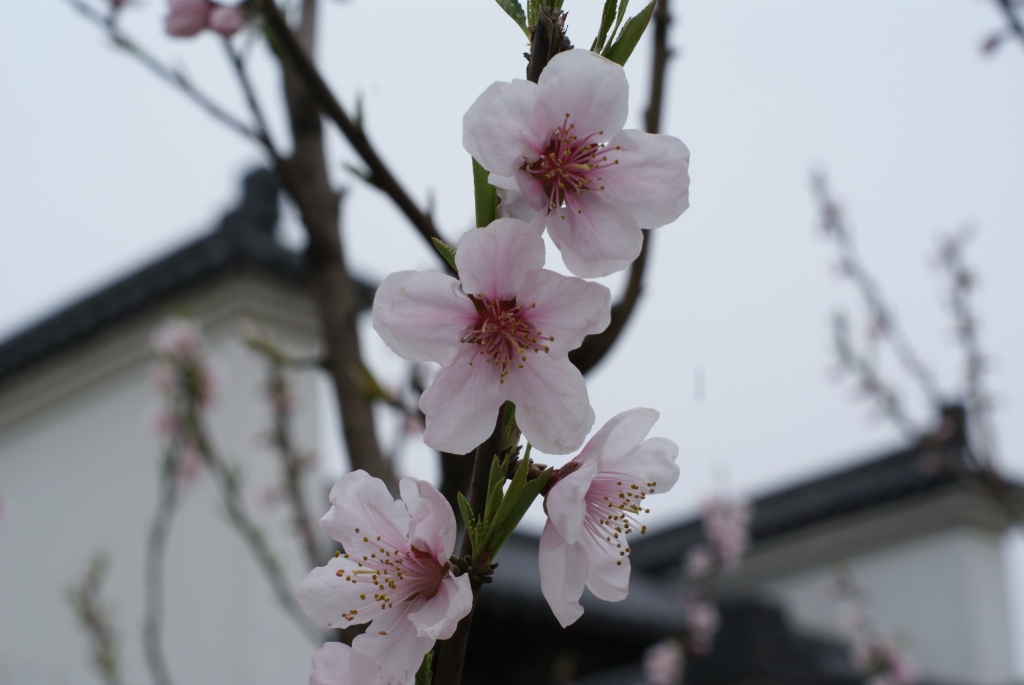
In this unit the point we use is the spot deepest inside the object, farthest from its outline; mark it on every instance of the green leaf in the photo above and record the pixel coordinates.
(423, 676)
(472, 525)
(447, 251)
(486, 196)
(623, 47)
(517, 500)
(495, 488)
(607, 17)
(515, 10)
(620, 17)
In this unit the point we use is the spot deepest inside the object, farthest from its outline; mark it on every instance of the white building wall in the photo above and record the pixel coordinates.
(942, 597)
(79, 473)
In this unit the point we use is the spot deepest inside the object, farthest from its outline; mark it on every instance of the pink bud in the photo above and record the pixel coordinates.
(186, 17)
(226, 20)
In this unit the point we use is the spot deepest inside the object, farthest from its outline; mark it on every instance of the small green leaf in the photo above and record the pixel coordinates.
(486, 196)
(472, 526)
(607, 17)
(515, 10)
(424, 676)
(632, 31)
(447, 251)
(495, 487)
(620, 17)
(517, 500)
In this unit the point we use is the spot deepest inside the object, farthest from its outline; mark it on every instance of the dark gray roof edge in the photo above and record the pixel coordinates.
(244, 239)
(193, 264)
(927, 467)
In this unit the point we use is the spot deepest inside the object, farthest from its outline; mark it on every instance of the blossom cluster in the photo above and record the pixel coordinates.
(501, 331)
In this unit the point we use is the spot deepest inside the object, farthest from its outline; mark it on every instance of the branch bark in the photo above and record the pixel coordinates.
(305, 177)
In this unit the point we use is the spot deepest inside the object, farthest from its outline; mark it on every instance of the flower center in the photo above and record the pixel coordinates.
(397, 575)
(504, 333)
(570, 165)
(613, 502)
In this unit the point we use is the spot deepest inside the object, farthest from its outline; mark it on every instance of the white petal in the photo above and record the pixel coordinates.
(432, 522)
(654, 461)
(421, 315)
(327, 598)
(500, 129)
(565, 502)
(567, 309)
(493, 261)
(600, 239)
(651, 178)
(620, 436)
(607, 570)
(393, 643)
(462, 403)
(563, 573)
(363, 502)
(588, 87)
(438, 617)
(338, 664)
(552, 406)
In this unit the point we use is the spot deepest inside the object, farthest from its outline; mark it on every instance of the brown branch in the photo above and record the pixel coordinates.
(305, 177)
(299, 68)
(1012, 20)
(595, 347)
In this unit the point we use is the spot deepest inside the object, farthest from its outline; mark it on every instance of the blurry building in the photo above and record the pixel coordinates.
(922, 528)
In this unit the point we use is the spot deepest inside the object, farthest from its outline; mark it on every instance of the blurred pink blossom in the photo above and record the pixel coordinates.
(727, 527)
(700, 562)
(702, 621)
(664, 663)
(178, 337)
(186, 17)
(226, 20)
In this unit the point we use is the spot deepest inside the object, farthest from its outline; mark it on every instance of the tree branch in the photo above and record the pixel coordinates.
(299, 68)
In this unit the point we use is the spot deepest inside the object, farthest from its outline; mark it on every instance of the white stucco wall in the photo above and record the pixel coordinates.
(78, 474)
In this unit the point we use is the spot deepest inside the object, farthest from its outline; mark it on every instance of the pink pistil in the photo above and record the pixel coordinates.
(504, 334)
(569, 166)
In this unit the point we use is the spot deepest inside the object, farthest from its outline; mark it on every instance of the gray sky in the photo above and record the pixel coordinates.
(104, 167)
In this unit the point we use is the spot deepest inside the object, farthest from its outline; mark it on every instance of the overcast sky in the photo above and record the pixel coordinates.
(103, 168)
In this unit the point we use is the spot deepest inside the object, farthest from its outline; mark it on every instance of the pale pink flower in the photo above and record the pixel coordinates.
(663, 663)
(557, 153)
(503, 335)
(177, 337)
(395, 573)
(727, 527)
(702, 621)
(186, 17)
(700, 562)
(226, 20)
(593, 505)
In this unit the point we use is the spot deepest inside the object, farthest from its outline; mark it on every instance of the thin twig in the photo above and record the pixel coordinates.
(884, 320)
(96, 621)
(262, 131)
(156, 548)
(1012, 20)
(165, 73)
(284, 41)
(227, 482)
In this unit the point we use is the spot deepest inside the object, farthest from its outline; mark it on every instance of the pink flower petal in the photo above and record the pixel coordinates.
(653, 461)
(432, 521)
(361, 504)
(619, 436)
(567, 309)
(421, 315)
(186, 17)
(438, 619)
(462, 403)
(552, 405)
(601, 239)
(328, 598)
(651, 178)
(563, 502)
(607, 569)
(226, 20)
(563, 573)
(493, 261)
(500, 127)
(589, 88)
